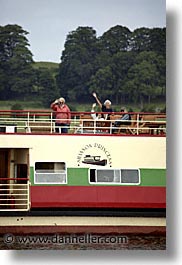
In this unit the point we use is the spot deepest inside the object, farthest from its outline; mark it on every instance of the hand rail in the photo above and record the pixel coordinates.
(14, 196)
(43, 121)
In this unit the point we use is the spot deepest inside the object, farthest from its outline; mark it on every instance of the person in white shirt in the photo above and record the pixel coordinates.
(94, 115)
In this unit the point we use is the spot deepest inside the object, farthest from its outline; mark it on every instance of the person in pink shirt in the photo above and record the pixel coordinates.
(63, 115)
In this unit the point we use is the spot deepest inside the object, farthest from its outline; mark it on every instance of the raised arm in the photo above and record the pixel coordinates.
(54, 103)
(98, 101)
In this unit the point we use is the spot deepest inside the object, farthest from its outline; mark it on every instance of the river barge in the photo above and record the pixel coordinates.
(89, 167)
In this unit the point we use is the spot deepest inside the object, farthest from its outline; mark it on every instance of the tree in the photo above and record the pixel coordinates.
(45, 86)
(120, 65)
(123, 65)
(115, 40)
(158, 40)
(143, 78)
(146, 39)
(140, 40)
(102, 82)
(76, 65)
(15, 62)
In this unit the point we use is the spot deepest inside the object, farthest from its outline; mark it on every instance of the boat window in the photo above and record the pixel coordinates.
(129, 176)
(108, 176)
(50, 172)
(118, 176)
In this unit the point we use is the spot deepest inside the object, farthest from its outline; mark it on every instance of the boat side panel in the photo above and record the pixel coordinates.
(120, 152)
(98, 196)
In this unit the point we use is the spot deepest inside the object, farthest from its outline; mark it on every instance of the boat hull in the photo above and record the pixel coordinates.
(98, 197)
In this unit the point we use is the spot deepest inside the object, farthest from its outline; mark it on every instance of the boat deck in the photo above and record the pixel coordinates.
(44, 122)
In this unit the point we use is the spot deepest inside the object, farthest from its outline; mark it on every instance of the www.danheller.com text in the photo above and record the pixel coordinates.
(64, 239)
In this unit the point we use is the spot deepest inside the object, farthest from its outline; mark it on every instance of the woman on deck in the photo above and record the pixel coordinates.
(63, 115)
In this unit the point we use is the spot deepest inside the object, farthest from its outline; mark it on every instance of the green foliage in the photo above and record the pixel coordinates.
(45, 86)
(115, 40)
(77, 64)
(20, 77)
(121, 65)
(102, 82)
(143, 76)
(124, 66)
(15, 62)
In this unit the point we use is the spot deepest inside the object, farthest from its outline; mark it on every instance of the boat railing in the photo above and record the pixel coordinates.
(43, 121)
(14, 194)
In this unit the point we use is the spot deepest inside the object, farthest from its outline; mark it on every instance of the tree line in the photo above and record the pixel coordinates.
(122, 65)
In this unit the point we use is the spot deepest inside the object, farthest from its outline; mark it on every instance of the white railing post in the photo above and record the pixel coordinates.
(138, 123)
(51, 123)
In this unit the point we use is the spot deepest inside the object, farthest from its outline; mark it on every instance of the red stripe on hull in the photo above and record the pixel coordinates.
(100, 196)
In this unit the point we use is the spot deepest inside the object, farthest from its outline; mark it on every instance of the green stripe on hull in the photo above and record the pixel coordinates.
(80, 177)
(153, 177)
(32, 175)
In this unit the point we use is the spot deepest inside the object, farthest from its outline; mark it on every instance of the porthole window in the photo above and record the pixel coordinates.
(115, 176)
(50, 173)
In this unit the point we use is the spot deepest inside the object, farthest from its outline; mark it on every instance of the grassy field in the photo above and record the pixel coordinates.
(48, 65)
(9, 104)
(157, 107)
